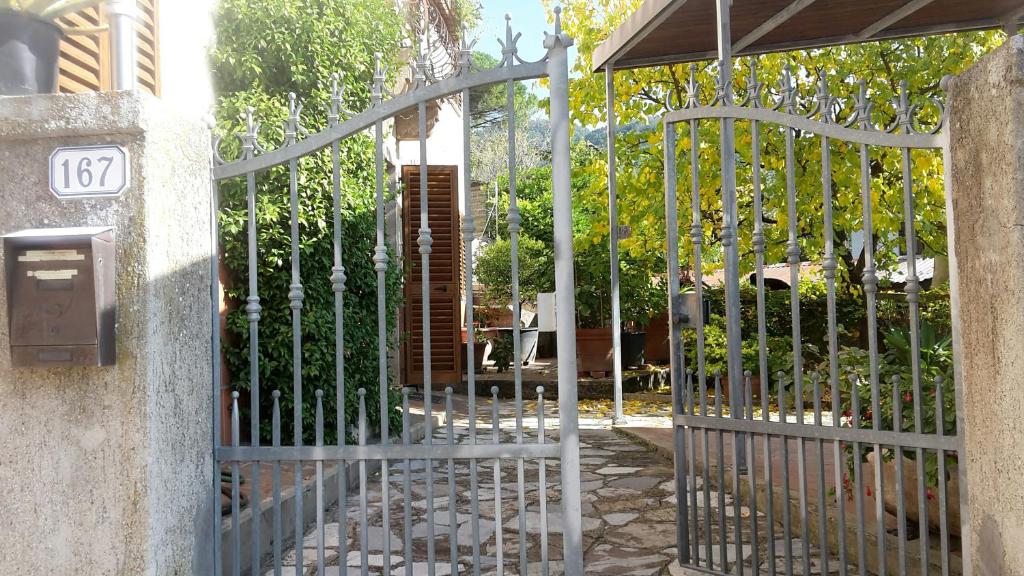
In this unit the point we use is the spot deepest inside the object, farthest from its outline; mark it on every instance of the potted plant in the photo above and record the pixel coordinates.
(643, 297)
(30, 43)
(536, 274)
(594, 352)
(895, 378)
(480, 343)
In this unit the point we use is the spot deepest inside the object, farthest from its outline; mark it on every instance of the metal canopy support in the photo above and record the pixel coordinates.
(734, 364)
(892, 18)
(771, 24)
(613, 243)
(122, 22)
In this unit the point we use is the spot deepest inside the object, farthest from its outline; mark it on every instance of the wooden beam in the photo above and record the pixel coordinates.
(890, 19)
(637, 26)
(771, 24)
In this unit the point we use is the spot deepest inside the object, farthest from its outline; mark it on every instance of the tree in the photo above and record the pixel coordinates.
(266, 49)
(641, 98)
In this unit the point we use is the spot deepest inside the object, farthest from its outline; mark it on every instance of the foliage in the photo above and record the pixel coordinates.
(641, 97)
(493, 269)
(266, 49)
(502, 351)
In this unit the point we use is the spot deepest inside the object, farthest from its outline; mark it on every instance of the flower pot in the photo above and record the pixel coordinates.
(29, 52)
(479, 351)
(910, 494)
(633, 348)
(594, 350)
(656, 348)
(527, 343)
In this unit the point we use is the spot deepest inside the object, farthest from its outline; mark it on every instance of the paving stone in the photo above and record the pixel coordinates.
(620, 518)
(645, 535)
(605, 559)
(639, 483)
(616, 470)
(554, 523)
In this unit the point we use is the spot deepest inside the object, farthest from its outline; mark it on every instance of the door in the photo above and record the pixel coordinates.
(445, 270)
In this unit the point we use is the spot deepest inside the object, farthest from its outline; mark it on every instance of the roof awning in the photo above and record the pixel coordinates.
(673, 31)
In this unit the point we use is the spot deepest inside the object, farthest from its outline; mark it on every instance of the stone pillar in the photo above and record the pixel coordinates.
(986, 111)
(108, 471)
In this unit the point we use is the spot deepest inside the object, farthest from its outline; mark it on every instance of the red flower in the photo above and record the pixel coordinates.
(930, 494)
(907, 397)
(868, 491)
(867, 414)
(847, 413)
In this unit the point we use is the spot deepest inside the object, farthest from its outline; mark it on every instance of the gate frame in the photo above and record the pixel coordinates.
(300, 143)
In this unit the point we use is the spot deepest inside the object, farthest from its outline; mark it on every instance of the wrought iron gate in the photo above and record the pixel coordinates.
(859, 442)
(259, 535)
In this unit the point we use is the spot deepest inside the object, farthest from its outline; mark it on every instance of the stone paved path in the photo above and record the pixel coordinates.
(628, 509)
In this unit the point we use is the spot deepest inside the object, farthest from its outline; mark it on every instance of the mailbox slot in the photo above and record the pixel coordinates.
(60, 297)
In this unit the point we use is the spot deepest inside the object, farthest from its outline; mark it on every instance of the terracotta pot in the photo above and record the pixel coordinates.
(594, 350)
(910, 486)
(656, 349)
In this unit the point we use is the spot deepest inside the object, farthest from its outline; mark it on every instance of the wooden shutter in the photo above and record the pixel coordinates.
(445, 275)
(85, 58)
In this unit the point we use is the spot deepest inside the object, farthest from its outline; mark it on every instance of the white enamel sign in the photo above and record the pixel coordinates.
(89, 171)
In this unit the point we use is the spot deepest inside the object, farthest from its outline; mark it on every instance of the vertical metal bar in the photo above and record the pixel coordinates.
(858, 480)
(613, 242)
(380, 265)
(236, 531)
(723, 543)
(499, 545)
(737, 500)
(870, 281)
(822, 512)
(694, 519)
(755, 567)
(364, 525)
(216, 487)
(406, 486)
(468, 232)
(829, 266)
(295, 297)
(697, 239)
(542, 485)
(320, 557)
(517, 364)
(787, 513)
(123, 15)
(572, 515)
(901, 513)
(941, 455)
(453, 525)
(769, 482)
(762, 343)
(913, 289)
(730, 239)
(252, 311)
(338, 286)
(793, 254)
(425, 241)
(275, 480)
(675, 341)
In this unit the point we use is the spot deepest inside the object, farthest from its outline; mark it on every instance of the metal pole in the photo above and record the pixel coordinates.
(557, 45)
(122, 26)
(729, 234)
(613, 243)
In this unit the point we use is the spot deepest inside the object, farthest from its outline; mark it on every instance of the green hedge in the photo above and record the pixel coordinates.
(266, 49)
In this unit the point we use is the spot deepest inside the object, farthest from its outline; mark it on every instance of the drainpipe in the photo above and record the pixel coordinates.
(613, 245)
(122, 15)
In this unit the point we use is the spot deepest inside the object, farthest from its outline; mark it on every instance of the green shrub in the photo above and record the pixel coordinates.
(266, 49)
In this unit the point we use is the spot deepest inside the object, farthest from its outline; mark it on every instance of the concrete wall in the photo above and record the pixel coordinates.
(108, 471)
(986, 108)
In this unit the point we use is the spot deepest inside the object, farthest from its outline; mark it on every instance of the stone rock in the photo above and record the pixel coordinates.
(616, 470)
(609, 560)
(620, 518)
(645, 535)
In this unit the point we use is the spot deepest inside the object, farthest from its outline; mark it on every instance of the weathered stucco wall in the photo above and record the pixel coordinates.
(987, 149)
(108, 470)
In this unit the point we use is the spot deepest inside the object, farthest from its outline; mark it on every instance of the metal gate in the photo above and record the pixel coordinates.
(849, 468)
(447, 469)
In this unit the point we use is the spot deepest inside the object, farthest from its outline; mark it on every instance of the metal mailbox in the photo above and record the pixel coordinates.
(60, 296)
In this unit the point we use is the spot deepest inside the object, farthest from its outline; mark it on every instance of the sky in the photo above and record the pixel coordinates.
(528, 16)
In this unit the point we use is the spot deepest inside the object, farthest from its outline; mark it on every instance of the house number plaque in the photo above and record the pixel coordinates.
(89, 172)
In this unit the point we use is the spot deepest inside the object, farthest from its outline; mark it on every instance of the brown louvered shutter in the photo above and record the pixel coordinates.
(445, 274)
(85, 58)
